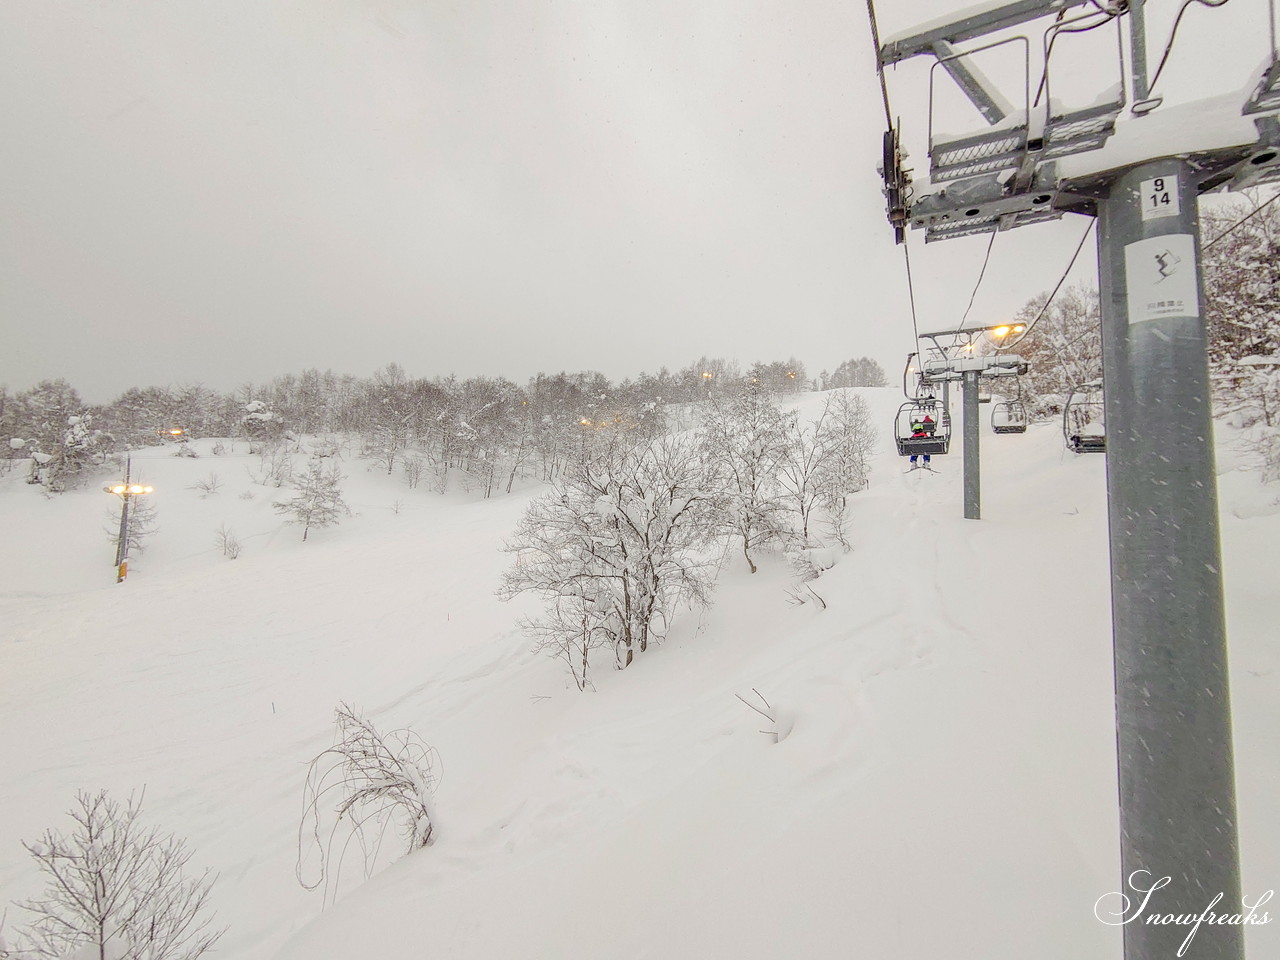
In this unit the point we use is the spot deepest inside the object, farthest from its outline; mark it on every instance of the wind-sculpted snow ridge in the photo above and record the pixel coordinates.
(946, 787)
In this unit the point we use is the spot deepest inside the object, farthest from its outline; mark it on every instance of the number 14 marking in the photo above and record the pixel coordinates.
(1159, 197)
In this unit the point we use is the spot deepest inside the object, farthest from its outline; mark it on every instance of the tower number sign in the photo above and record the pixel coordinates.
(1159, 197)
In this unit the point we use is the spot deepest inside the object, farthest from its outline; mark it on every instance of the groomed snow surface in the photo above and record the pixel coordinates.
(947, 788)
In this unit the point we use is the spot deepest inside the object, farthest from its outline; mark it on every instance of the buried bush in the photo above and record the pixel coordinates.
(356, 791)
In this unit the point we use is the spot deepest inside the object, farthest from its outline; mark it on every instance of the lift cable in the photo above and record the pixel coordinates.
(1256, 210)
(888, 117)
(1061, 280)
(981, 273)
(875, 40)
(911, 293)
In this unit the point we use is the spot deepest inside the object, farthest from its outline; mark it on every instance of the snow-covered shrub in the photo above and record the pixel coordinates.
(1264, 441)
(359, 788)
(413, 467)
(275, 464)
(228, 542)
(781, 722)
(115, 889)
(208, 486)
(807, 565)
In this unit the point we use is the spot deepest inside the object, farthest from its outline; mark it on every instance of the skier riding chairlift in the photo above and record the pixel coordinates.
(921, 429)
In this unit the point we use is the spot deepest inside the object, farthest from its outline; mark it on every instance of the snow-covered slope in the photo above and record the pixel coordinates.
(946, 787)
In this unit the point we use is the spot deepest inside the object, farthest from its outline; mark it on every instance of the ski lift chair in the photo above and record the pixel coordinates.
(1083, 423)
(1009, 416)
(937, 437)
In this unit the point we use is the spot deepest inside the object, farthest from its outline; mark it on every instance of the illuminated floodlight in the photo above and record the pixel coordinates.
(129, 489)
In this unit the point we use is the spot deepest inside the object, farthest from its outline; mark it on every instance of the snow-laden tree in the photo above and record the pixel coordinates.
(318, 501)
(856, 372)
(490, 432)
(1242, 299)
(1242, 281)
(197, 410)
(78, 447)
(823, 463)
(744, 443)
(259, 422)
(57, 433)
(852, 438)
(115, 890)
(615, 550)
(778, 377)
(40, 415)
(82, 447)
(386, 421)
(1063, 349)
(709, 378)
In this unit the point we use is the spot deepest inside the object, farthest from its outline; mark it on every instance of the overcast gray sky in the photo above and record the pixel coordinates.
(222, 191)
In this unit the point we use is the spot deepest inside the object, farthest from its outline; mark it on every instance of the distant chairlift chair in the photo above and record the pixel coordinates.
(1083, 419)
(1010, 416)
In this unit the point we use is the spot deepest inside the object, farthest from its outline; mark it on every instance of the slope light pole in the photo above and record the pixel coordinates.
(125, 491)
(1179, 848)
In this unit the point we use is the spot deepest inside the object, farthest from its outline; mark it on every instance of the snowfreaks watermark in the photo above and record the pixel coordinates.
(1129, 914)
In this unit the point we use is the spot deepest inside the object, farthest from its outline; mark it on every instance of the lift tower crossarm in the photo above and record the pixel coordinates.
(966, 25)
(980, 91)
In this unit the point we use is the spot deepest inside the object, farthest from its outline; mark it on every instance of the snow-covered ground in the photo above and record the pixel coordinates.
(947, 788)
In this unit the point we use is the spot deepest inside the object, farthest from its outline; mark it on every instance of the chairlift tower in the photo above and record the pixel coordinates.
(956, 361)
(1138, 168)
